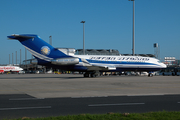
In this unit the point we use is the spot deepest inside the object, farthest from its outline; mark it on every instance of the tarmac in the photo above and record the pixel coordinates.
(76, 86)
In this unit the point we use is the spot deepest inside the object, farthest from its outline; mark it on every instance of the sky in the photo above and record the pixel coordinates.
(108, 25)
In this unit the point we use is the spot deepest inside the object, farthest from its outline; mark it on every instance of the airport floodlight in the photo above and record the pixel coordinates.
(83, 37)
(82, 21)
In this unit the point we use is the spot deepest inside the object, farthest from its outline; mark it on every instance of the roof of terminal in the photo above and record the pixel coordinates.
(107, 52)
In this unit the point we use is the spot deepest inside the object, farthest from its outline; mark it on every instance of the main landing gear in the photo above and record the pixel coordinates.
(150, 75)
(91, 74)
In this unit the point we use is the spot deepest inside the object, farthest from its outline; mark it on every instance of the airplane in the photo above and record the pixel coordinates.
(91, 65)
(4, 69)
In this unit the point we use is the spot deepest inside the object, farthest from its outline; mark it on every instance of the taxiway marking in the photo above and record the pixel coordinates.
(23, 108)
(116, 104)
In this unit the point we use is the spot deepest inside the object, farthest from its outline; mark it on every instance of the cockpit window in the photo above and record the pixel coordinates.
(159, 61)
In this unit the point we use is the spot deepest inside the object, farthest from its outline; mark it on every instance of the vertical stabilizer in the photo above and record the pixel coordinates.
(38, 47)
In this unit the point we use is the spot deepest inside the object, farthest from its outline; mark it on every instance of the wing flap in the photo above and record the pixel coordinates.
(97, 66)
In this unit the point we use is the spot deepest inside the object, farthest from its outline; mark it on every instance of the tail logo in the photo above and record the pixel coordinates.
(45, 50)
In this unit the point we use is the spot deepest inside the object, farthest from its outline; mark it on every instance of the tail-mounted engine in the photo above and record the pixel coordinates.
(65, 61)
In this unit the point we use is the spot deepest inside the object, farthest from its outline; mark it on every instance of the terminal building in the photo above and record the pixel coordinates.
(98, 52)
(107, 52)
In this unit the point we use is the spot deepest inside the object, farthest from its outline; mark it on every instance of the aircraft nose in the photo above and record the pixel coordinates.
(164, 66)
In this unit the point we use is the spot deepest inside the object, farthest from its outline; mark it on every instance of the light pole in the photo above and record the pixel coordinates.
(12, 59)
(83, 37)
(9, 59)
(20, 56)
(16, 57)
(133, 47)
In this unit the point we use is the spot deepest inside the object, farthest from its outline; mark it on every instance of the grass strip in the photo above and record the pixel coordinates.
(164, 115)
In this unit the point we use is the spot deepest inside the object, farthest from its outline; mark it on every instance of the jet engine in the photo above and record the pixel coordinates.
(65, 61)
(34, 61)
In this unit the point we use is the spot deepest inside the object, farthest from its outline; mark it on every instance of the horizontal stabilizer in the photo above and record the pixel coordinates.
(20, 37)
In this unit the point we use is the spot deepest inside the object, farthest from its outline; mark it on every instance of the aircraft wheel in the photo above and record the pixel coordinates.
(93, 75)
(86, 75)
(150, 75)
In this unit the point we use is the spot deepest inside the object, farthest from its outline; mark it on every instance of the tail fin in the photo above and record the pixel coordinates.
(37, 47)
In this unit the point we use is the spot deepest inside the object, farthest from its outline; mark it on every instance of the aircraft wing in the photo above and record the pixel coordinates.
(97, 66)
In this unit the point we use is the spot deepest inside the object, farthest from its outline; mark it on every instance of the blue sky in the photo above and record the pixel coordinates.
(108, 25)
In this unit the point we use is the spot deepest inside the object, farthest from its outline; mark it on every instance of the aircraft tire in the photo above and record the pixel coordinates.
(86, 75)
(93, 75)
(150, 75)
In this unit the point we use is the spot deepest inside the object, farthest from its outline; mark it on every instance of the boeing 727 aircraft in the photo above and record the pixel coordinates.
(47, 55)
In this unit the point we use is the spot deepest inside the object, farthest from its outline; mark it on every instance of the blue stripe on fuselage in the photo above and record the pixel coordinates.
(120, 62)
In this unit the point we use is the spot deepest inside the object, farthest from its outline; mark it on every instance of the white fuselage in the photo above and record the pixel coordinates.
(122, 62)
